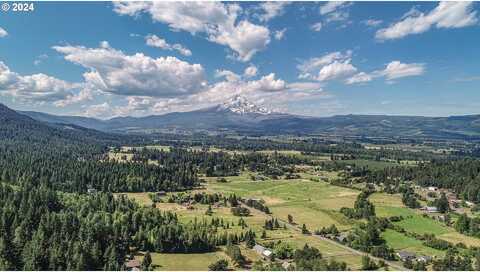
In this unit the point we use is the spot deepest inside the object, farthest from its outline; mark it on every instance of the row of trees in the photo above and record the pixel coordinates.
(362, 208)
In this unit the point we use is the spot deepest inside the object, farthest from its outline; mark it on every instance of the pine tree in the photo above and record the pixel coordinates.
(305, 230)
(209, 210)
(442, 204)
(111, 259)
(290, 219)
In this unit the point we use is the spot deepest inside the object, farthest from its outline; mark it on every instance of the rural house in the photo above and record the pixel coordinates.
(425, 259)
(430, 209)
(405, 255)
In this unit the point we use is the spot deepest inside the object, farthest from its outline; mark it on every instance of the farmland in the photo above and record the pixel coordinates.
(309, 201)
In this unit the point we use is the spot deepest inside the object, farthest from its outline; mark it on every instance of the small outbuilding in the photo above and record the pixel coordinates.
(264, 252)
(342, 237)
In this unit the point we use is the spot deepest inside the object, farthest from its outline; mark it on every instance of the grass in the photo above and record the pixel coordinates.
(422, 225)
(140, 198)
(455, 237)
(387, 205)
(185, 262)
(315, 204)
(399, 241)
(254, 222)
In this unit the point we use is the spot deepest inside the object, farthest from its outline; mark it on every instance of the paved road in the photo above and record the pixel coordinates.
(296, 228)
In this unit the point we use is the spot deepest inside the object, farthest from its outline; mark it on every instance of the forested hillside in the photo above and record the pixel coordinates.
(48, 222)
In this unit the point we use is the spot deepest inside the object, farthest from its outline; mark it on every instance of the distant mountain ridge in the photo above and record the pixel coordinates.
(239, 115)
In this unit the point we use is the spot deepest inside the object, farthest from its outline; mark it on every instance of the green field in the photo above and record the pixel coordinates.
(391, 205)
(186, 262)
(315, 204)
(399, 241)
(283, 197)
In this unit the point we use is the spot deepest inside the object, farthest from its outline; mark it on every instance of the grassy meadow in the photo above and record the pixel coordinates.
(414, 221)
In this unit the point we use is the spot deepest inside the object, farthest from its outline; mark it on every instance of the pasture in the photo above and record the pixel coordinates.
(391, 205)
(315, 204)
(257, 219)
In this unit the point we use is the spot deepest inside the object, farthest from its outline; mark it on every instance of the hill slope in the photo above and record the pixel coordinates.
(16, 128)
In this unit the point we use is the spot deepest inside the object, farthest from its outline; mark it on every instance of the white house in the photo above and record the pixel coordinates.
(425, 259)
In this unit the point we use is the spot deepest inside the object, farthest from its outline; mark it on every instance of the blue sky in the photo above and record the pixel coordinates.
(106, 59)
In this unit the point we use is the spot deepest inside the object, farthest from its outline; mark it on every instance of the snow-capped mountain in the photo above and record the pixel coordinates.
(241, 105)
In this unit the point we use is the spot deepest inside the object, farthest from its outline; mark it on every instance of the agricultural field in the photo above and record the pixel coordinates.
(399, 241)
(184, 262)
(313, 203)
(414, 221)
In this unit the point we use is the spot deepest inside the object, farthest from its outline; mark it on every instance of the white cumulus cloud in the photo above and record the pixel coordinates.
(271, 10)
(279, 34)
(372, 22)
(38, 88)
(316, 26)
(327, 67)
(155, 41)
(361, 77)
(246, 39)
(335, 70)
(250, 71)
(3, 32)
(335, 11)
(454, 14)
(228, 75)
(396, 69)
(218, 21)
(112, 71)
(393, 70)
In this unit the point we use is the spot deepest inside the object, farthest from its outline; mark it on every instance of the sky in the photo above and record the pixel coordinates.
(107, 59)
